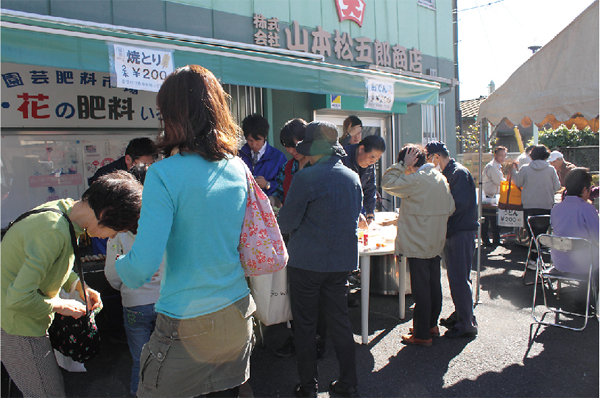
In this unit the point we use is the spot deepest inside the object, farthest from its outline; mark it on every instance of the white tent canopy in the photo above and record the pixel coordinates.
(561, 79)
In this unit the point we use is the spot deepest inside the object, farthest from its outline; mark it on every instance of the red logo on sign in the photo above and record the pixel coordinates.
(353, 10)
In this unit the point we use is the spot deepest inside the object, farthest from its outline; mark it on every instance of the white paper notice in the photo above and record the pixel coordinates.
(141, 68)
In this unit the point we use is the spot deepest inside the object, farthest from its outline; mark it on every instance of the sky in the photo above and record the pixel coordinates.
(494, 36)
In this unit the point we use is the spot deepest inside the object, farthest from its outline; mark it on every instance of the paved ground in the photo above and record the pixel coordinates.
(509, 358)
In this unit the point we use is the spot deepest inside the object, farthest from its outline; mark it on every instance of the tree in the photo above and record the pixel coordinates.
(470, 139)
(564, 137)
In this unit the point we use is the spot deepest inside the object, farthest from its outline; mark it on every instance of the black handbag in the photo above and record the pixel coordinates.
(75, 338)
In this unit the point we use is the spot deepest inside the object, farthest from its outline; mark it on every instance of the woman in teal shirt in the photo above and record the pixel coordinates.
(193, 208)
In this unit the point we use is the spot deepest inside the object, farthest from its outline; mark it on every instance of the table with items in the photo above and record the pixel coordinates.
(380, 241)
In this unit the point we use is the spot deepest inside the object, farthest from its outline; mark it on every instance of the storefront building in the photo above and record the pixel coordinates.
(79, 78)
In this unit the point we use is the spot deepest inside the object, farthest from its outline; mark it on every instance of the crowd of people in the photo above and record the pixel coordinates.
(173, 256)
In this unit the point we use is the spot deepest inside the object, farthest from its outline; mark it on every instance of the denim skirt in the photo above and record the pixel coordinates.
(190, 357)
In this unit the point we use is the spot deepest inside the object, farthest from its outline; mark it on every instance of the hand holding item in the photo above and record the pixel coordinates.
(69, 307)
(262, 182)
(93, 297)
(362, 222)
(370, 218)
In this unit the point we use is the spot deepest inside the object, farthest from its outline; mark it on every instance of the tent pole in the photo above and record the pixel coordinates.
(479, 210)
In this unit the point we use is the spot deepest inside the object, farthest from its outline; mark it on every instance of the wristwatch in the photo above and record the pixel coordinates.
(268, 186)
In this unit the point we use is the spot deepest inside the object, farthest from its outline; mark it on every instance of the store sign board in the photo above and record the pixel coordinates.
(339, 46)
(353, 10)
(379, 94)
(39, 96)
(139, 68)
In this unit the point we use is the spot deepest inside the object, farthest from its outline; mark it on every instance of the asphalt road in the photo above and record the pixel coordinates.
(509, 357)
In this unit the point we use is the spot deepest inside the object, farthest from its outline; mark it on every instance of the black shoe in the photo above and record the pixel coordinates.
(448, 323)
(455, 333)
(338, 389)
(287, 349)
(301, 392)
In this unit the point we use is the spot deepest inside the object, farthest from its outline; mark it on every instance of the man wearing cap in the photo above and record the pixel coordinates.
(562, 167)
(321, 214)
(460, 241)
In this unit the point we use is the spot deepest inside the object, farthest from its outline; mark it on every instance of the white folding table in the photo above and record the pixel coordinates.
(365, 282)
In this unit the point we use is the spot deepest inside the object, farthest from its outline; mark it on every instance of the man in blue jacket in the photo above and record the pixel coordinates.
(263, 160)
(321, 213)
(460, 241)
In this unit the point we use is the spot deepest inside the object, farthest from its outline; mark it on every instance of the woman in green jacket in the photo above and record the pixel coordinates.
(37, 260)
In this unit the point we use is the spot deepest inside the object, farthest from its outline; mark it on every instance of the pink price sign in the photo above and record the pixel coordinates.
(53, 181)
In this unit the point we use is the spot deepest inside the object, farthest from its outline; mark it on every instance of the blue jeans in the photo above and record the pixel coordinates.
(139, 324)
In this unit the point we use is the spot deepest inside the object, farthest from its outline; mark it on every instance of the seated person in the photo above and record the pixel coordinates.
(574, 217)
(263, 160)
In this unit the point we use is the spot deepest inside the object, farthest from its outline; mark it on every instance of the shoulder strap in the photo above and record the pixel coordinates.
(78, 265)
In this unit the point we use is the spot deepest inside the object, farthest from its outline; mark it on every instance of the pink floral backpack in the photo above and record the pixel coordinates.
(262, 250)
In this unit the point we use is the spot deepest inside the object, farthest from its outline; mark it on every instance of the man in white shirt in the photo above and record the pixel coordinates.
(524, 158)
(491, 179)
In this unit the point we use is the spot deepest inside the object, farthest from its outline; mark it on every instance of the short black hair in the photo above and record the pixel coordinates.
(421, 159)
(539, 152)
(116, 200)
(256, 126)
(529, 149)
(292, 131)
(500, 148)
(141, 147)
(577, 179)
(373, 142)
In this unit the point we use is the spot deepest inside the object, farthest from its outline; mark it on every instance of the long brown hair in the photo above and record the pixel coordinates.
(195, 115)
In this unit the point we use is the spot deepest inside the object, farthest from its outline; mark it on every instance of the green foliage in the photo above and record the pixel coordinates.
(470, 140)
(564, 137)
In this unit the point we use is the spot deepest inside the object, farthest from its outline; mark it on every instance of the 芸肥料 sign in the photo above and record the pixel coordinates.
(40, 96)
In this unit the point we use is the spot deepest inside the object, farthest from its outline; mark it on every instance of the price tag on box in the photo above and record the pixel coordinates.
(510, 218)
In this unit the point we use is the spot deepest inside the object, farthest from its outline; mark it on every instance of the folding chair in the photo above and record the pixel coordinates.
(536, 223)
(564, 244)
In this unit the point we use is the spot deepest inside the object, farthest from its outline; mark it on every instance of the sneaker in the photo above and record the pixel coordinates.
(531, 265)
(337, 388)
(287, 349)
(435, 331)
(410, 339)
